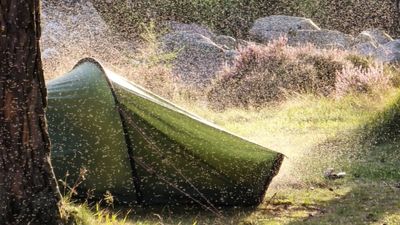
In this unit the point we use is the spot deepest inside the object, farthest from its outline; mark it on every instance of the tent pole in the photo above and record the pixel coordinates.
(136, 179)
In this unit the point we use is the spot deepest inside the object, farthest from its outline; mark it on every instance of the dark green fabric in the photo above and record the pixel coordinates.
(86, 132)
(179, 157)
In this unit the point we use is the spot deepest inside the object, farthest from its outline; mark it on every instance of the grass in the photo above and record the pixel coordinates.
(337, 203)
(315, 133)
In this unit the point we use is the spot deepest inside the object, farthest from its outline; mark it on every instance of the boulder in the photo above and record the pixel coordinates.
(174, 26)
(377, 36)
(242, 43)
(230, 57)
(198, 57)
(272, 27)
(389, 52)
(369, 43)
(49, 53)
(267, 36)
(227, 42)
(320, 38)
(365, 48)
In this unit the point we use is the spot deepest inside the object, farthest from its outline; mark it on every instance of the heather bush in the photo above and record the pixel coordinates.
(360, 61)
(266, 73)
(270, 73)
(393, 71)
(365, 75)
(353, 79)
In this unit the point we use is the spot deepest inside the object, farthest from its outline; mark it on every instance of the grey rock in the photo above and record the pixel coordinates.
(227, 42)
(230, 57)
(49, 53)
(377, 36)
(265, 36)
(362, 38)
(63, 2)
(389, 52)
(331, 174)
(242, 43)
(320, 38)
(284, 23)
(198, 57)
(174, 26)
(365, 48)
(272, 27)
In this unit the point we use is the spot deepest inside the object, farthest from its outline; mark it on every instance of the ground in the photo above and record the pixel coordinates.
(315, 133)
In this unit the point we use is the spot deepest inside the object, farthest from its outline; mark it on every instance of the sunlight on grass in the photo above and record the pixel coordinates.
(301, 129)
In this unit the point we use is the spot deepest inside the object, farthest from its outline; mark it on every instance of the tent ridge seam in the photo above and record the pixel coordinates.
(135, 176)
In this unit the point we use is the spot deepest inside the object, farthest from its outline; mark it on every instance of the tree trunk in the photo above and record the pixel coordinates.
(28, 190)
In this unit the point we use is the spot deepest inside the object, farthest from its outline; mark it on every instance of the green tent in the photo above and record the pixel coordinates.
(144, 149)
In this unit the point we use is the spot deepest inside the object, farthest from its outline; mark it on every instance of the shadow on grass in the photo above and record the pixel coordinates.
(368, 195)
(365, 203)
(348, 203)
(184, 215)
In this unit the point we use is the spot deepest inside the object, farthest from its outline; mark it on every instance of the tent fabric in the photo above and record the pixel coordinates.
(144, 149)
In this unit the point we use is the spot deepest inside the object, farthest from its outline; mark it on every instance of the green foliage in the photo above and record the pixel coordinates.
(83, 214)
(353, 16)
(349, 16)
(386, 125)
(393, 71)
(360, 61)
(234, 17)
(153, 67)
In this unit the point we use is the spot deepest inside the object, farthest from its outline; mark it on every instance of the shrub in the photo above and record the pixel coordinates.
(393, 71)
(269, 73)
(265, 73)
(353, 79)
(360, 61)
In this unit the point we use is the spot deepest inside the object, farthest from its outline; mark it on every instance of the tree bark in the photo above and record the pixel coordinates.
(28, 190)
